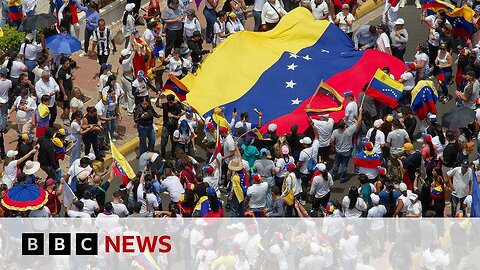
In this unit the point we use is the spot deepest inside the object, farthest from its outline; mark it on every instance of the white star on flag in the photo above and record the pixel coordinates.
(307, 57)
(292, 66)
(292, 55)
(290, 84)
(296, 101)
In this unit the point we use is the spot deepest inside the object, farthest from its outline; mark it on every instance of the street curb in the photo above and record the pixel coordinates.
(368, 7)
(125, 149)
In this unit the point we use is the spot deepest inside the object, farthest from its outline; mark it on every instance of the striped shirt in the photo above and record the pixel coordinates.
(103, 39)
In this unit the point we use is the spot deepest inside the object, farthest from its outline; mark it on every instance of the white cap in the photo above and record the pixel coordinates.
(413, 196)
(91, 156)
(129, 7)
(399, 21)
(477, 113)
(375, 198)
(378, 123)
(125, 52)
(306, 140)
(325, 115)
(272, 127)
(321, 167)
(402, 187)
(12, 153)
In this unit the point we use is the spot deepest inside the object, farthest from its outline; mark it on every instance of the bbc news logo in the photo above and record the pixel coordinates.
(87, 244)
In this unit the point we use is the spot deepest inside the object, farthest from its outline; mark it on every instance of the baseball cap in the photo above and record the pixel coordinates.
(196, 34)
(263, 152)
(223, 130)
(465, 163)
(272, 127)
(189, 110)
(190, 11)
(427, 138)
(50, 182)
(399, 21)
(306, 140)
(413, 196)
(389, 118)
(348, 93)
(290, 166)
(256, 177)
(369, 146)
(378, 123)
(375, 198)
(105, 66)
(345, 6)
(210, 191)
(208, 169)
(407, 147)
(12, 153)
(321, 167)
(3, 71)
(402, 187)
(411, 66)
(477, 8)
(129, 7)
(381, 170)
(125, 52)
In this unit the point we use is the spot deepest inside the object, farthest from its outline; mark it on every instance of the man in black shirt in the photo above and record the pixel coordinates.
(65, 82)
(449, 158)
(409, 122)
(410, 163)
(24, 83)
(194, 43)
(46, 154)
(172, 110)
(143, 115)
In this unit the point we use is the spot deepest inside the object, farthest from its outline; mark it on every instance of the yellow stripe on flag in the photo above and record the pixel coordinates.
(386, 79)
(122, 161)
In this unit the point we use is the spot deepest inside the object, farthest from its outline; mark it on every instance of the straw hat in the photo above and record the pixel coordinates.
(235, 165)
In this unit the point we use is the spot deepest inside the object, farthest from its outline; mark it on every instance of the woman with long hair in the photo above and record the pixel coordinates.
(91, 128)
(320, 189)
(437, 192)
(443, 62)
(353, 205)
(376, 136)
(220, 32)
(421, 62)
(277, 147)
(280, 169)
(128, 22)
(210, 205)
(187, 201)
(183, 138)
(466, 143)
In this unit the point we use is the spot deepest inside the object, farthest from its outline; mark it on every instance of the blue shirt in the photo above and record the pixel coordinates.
(93, 17)
(156, 189)
(385, 198)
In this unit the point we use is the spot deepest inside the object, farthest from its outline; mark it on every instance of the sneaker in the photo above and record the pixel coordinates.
(420, 140)
(83, 54)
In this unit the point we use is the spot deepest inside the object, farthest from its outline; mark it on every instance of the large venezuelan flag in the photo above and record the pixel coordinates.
(461, 19)
(278, 71)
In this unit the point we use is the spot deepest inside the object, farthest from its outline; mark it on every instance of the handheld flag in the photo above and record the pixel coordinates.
(218, 120)
(255, 133)
(175, 85)
(218, 147)
(393, 3)
(385, 89)
(424, 98)
(475, 197)
(436, 4)
(122, 167)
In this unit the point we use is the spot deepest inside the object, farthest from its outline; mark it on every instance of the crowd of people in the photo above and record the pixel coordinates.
(274, 175)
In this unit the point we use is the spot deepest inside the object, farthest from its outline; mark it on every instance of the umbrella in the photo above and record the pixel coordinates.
(39, 21)
(24, 197)
(458, 118)
(63, 43)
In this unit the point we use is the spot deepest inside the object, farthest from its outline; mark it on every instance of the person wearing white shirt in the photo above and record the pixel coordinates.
(344, 20)
(148, 35)
(320, 188)
(460, 178)
(408, 79)
(79, 212)
(25, 107)
(5, 89)
(257, 193)
(47, 86)
(348, 247)
(119, 207)
(257, 13)
(290, 183)
(434, 257)
(234, 24)
(353, 205)
(319, 9)
(220, 32)
(172, 184)
(42, 212)
(351, 110)
(190, 24)
(324, 126)
(89, 206)
(377, 137)
(107, 221)
(272, 12)
(383, 41)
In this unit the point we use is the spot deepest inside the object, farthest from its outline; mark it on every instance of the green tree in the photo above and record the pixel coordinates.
(11, 40)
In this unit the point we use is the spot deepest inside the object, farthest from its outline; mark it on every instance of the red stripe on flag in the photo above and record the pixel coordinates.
(381, 97)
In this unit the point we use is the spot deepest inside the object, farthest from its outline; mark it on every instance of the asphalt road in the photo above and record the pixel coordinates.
(417, 34)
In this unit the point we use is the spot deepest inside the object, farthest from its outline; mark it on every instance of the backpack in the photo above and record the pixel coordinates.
(311, 163)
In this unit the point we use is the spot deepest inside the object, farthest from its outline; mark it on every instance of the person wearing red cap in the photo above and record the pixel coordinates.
(351, 110)
(256, 194)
